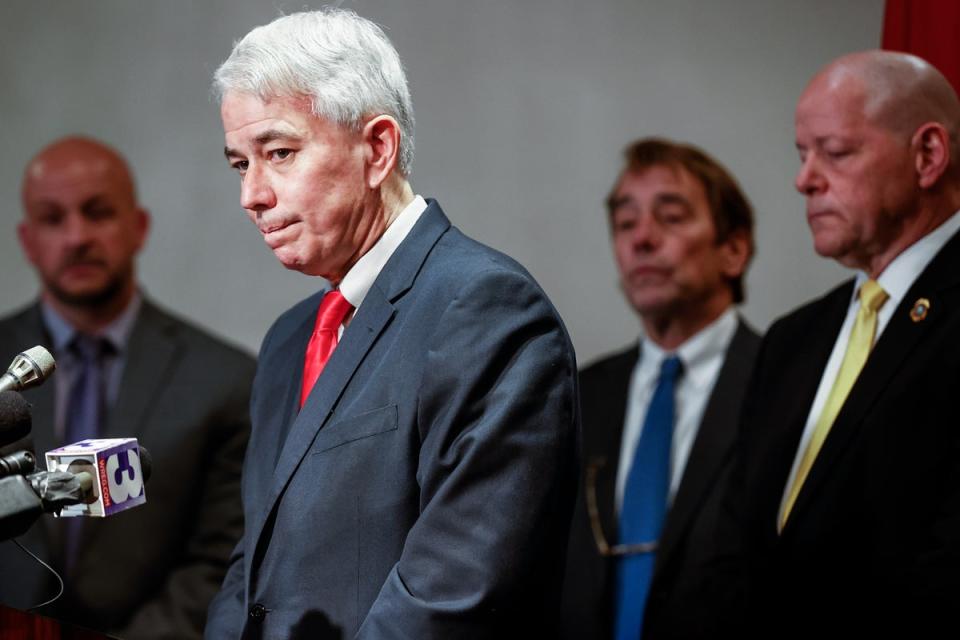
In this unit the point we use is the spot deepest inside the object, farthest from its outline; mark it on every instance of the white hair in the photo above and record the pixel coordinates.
(344, 63)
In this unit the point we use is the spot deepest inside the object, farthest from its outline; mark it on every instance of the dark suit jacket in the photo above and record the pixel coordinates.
(149, 572)
(425, 489)
(872, 546)
(688, 530)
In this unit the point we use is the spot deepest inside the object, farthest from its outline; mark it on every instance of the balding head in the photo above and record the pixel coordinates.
(82, 227)
(898, 90)
(877, 133)
(77, 159)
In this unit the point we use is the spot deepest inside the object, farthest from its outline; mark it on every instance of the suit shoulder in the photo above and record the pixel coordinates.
(464, 255)
(460, 267)
(19, 316)
(614, 364)
(18, 329)
(200, 341)
(812, 312)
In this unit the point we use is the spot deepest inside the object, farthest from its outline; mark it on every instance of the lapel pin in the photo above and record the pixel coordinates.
(919, 310)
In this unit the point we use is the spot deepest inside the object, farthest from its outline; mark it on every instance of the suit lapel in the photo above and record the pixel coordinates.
(713, 443)
(152, 355)
(372, 318)
(618, 383)
(899, 339)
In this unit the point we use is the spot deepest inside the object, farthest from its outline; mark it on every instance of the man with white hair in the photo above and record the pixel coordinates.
(844, 519)
(412, 464)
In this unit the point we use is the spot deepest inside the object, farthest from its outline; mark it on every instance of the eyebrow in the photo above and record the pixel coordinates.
(671, 198)
(668, 197)
(268, 136)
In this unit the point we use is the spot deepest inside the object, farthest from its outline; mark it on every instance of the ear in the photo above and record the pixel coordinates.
(25, 235)
(735, 253)
(381, 139)
(142, 226)
(931, 144)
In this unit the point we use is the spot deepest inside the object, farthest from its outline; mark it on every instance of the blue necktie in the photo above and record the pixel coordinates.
(645, 503)
(84, 418)
(85, 407)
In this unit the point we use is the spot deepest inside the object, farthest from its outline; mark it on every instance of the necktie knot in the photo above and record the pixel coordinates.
(90, 349)
(333, 309)
(670, 369)
(872, 295)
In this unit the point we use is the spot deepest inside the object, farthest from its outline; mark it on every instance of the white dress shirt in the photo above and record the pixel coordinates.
(702, 356)
(896, 280)
(363, 274)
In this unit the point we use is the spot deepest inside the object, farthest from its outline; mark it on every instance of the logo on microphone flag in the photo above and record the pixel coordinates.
(114, 464)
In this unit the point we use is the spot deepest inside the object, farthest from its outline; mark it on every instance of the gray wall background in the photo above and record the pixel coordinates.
(522, 111)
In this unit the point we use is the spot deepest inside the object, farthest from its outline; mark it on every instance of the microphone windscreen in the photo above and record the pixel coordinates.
(15, 421)
(42, 358)
(146, 463)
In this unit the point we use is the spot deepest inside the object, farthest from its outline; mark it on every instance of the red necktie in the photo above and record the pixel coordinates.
(333, 309)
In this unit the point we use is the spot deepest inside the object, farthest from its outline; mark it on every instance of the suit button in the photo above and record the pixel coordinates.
(258, 612)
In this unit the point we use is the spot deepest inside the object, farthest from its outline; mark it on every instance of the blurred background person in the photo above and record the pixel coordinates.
(659, 417)
(125, 368)
(844, 510)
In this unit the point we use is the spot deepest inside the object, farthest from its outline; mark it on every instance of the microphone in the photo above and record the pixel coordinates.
(15, 421)
(17, 464)
(113, 484)
(28, 369)
(117, 468)
(24, 498)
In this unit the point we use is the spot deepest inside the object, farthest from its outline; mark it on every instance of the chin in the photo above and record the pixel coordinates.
(653, 305)
(828, 247)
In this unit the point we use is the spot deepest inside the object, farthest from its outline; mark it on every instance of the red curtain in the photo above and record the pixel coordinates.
(927, 28)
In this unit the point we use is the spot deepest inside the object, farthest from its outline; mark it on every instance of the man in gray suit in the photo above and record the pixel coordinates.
(149, 572)
(656, 445)
(412, 463)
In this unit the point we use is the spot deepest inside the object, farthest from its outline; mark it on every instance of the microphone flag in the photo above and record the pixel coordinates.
(113, 464)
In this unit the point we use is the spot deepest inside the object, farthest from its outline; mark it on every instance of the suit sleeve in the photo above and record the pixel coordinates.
(226, 614)
(498, 420)
(179, 609)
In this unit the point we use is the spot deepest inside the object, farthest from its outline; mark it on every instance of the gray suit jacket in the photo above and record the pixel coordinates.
(688, 530)
(425, 488)
(148, 572)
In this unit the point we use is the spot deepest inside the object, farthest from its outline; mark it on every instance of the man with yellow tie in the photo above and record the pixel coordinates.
(843, 519)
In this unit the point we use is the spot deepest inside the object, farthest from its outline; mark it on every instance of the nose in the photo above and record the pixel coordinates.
(809, 179)
(646, 231)
(256, 193)
(79, 229)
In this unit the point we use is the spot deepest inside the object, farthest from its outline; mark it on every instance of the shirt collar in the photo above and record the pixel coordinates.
(356, 284)
(708, 343)
(117, 332)
(902, 272)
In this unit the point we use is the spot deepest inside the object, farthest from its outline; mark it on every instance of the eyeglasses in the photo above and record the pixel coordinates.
(596, 526)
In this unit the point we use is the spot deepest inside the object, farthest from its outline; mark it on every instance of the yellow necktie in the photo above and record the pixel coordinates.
(872, 297)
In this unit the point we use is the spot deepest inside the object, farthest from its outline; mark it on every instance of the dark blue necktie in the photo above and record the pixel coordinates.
(85, 408)
(645, 503)
(84, 418)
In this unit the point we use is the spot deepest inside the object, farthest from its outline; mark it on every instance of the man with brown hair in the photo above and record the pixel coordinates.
(659, 417)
